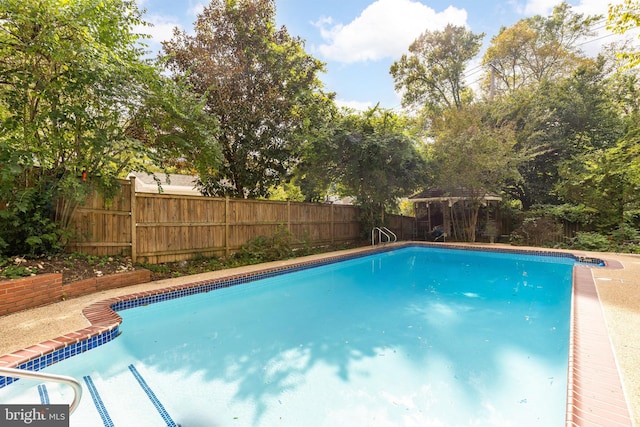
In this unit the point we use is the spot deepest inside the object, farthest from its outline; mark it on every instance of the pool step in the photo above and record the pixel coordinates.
(124, 399)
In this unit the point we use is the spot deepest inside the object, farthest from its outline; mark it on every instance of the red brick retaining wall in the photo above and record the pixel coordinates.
(21, 294)
(34, 291)
(112, 281)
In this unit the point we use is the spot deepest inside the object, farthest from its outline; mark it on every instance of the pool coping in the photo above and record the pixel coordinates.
(595, 396)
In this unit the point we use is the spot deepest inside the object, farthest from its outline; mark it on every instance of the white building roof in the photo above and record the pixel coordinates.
(169, 183)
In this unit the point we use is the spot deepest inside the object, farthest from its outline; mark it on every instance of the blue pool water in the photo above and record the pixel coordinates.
(412, 337)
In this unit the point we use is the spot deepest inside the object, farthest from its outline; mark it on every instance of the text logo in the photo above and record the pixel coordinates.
(34, 415)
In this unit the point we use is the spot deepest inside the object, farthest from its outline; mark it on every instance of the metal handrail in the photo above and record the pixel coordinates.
(382, 230)
(395, 238)
(75, 384)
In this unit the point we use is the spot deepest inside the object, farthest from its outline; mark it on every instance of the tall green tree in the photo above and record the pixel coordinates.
(606, 180)
(316, 168)
(473, 152)
(431, 75)
(367, 156)
(257, 80)
(175, 130)
(554, 122)
(71, 77)
(537, 49)
(378, 163)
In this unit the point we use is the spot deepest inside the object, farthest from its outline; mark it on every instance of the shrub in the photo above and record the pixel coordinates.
(264, 249)
(30, 229)
(633, 217)
(574, 214)
(541, 231)
(626, 239)
(625, 233)
(591, 241)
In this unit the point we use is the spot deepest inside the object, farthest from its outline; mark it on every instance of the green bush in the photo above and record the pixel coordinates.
(625, 233)
(265, 249)
(542, 231)
(631, 248)
(575, 214)
(591, 241)
(633, 217)
(626, 239)
(30, 229)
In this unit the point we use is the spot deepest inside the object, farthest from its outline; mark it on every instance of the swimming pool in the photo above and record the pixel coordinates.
(417, 336)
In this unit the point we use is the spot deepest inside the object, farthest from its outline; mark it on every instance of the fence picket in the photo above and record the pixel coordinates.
(157, 228)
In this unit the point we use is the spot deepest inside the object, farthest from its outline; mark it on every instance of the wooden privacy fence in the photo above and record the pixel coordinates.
(157, 228)
(402, 226)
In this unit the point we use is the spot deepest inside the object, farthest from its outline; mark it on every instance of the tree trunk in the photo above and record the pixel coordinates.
(473, 221)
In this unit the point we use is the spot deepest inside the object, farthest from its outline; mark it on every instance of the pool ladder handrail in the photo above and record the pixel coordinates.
(382, 231)
(22, 373)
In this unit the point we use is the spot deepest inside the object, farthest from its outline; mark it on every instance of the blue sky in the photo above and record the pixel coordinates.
(360, 39)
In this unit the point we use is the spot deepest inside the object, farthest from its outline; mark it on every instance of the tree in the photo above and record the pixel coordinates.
(505, 57)
(70, 78)
(257, 80)
(605, 177)
(367, 156)
(175, 130)
(316, 167)
(606, 180)
(554, 122)
(475, 153)
(80, 108)
(536, 49)
(431, 76)
(378, 164)
(622, 18)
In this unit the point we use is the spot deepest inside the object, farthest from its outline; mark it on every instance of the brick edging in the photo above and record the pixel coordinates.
(595, 395)
(43, 289)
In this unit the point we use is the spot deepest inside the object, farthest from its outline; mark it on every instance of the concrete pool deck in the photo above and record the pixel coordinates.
(618, 291)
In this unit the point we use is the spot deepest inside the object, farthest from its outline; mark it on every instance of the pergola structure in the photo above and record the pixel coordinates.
(433, 211)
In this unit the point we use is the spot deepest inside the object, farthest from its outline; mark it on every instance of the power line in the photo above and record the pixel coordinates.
(474, 70)
(594, 40)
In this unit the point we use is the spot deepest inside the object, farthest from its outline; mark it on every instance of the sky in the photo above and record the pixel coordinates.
(358, 40)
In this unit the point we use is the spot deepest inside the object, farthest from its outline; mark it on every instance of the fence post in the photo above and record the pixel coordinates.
(226, 226)
(289, 216)
(134, 231)
(333, 224)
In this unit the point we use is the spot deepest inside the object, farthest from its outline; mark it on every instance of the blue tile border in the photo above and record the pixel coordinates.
(535, 252)
(166, 294)
(62, 354)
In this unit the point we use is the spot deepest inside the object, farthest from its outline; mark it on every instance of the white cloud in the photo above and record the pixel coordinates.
(587, 7)
(195, 9)
(385, 29)
(593, 7)
(355, 105)
(592, 45)
(161, 27)
(539, 7)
